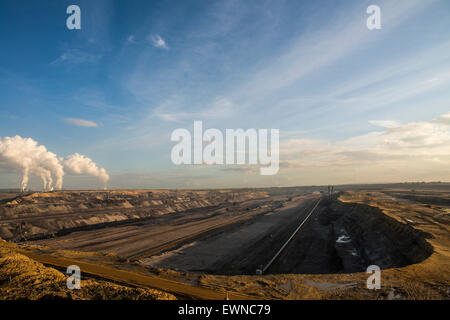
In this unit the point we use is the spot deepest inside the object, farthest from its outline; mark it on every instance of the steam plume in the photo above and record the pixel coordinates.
(25, 156)
(79, 164)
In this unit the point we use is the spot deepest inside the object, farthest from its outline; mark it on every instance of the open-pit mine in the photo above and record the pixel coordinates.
(268, 243)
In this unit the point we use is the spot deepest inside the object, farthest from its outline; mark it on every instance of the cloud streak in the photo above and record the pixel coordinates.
(81, 122)
(309, 53)
(158, 42)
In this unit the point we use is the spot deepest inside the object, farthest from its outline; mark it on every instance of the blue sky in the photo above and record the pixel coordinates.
(352, 104)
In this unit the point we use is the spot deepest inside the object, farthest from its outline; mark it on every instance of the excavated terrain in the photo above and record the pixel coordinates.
(217, 239)
(56, 213)
(346, 238)
(339, 238)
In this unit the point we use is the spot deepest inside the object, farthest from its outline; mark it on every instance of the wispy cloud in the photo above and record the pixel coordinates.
(312, 52)
(131, 39)
(77, 56)
(158, 42)
(81, 122)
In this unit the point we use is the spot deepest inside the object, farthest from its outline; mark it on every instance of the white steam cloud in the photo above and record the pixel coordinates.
(25, 156)
(79, 164)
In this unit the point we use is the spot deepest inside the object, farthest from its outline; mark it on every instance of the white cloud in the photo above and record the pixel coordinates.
(444, 119)
(131, 39)
(412, 143)
(159, 42)
(81, 122)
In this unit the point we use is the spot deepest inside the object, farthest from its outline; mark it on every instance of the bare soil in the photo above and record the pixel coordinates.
(216, 239)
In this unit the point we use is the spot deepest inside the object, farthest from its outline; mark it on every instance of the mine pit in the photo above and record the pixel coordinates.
(338, 238)
(347, 238)
(219, 232)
